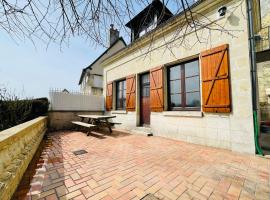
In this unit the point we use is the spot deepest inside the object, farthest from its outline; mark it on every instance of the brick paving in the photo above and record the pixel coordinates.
(124, 166)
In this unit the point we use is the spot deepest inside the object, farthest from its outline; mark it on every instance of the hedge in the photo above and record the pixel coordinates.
(14, 112)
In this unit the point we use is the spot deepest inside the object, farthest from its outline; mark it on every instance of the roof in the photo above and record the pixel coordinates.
(156, 5)
(97, 59)
(157, 28)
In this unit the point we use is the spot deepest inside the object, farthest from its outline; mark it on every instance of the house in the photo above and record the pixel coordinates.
(65, 90)
(192, 82)
(263, 59)
(91, 80)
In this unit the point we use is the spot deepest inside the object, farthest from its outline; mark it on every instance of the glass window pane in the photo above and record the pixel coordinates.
(120, 86)
(146, 91)
(124, 85)
(118, 104)
(176, 100)
(124, 103)
(175, 86)
(192, 68)
(119, 94)
(145, 78)
(193, 99)
(192, 84)
(175, 72)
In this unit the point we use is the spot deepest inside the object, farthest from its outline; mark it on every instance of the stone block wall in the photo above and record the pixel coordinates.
(17, 148)
(264, 83)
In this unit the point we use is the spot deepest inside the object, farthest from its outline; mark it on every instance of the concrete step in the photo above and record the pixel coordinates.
(142, 131)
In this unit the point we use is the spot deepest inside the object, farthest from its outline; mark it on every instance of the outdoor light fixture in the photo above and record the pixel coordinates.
(222, 11)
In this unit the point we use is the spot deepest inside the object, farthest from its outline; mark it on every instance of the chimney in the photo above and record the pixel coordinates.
(113, 35)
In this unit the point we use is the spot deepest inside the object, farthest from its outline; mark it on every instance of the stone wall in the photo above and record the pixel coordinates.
(61, 120)
(17, 148)
(264, 83)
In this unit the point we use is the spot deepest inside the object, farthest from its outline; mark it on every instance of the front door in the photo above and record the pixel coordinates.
(145, 99)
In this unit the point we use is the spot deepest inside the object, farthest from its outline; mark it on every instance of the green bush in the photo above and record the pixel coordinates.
(14, 111)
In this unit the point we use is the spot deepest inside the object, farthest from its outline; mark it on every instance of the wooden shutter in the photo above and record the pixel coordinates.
(215, 80)
(109, 96)
(156, 89)
(131, 93)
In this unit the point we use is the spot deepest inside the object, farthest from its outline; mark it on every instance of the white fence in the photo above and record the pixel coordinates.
(75, 101)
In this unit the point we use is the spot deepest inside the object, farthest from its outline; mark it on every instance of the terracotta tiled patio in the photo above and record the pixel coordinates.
(124, 166)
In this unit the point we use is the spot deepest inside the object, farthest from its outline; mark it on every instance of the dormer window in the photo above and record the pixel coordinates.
(148, 19)
(152, 25)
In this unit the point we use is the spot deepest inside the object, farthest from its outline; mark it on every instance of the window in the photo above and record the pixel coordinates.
(152, 25)
(121, 95)
(184, 86)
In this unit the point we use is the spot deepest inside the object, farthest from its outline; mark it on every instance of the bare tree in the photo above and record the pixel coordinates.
(58, 20)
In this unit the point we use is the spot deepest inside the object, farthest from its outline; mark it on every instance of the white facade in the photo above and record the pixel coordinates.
(233, 131)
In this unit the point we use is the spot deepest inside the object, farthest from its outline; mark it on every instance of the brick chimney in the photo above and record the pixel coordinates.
(113, 35)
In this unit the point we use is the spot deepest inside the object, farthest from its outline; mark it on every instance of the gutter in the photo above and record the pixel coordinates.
(253, 74)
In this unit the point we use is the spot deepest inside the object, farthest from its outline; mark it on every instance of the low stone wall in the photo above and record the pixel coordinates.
(61, 120)
(17, 148)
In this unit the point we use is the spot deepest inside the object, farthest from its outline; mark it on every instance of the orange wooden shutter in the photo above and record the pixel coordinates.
(131, 93)
(156, 89)
(109, 96)
(215, 80)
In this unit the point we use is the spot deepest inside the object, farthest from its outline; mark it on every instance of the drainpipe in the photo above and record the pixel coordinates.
(253, 74)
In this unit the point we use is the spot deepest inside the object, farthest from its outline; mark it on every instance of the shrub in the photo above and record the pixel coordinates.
(14, 111)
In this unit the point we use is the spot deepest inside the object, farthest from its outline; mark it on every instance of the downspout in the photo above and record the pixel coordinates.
(253, 74)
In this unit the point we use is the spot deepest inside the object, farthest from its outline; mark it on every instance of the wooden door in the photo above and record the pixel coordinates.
(145, 99)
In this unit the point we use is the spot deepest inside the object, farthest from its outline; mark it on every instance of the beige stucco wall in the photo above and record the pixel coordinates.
(232, 131)
(17, 148)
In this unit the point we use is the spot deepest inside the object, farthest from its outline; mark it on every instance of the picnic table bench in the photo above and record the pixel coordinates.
(95, 121)
(89, 126)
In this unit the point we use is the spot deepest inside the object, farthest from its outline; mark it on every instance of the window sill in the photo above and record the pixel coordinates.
(119, 112)
(183, 113)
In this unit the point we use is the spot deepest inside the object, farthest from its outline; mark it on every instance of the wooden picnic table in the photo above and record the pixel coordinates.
(98, 120)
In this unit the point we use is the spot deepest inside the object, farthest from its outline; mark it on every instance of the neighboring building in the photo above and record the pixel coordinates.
(91, 80)
(263, 59)
(65, 90)
(177, 87)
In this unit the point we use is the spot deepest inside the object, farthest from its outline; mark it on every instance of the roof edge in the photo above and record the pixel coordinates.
(167, 26)
(89, 67)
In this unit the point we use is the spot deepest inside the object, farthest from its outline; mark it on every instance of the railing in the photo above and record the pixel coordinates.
(263, 43)
(75, 101)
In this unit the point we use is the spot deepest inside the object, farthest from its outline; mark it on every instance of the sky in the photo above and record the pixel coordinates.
(30, 71)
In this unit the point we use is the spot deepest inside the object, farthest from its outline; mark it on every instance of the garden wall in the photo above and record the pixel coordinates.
(17, 148)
